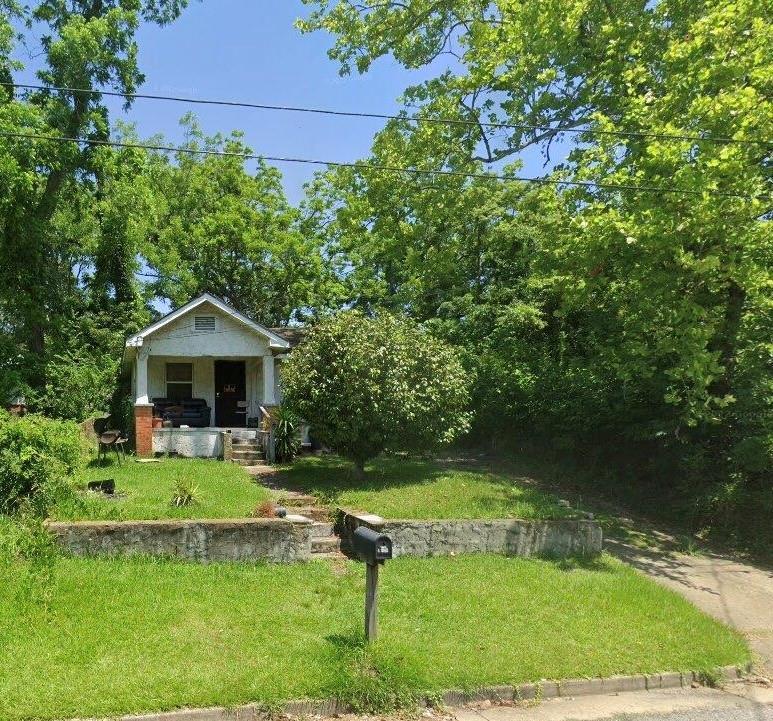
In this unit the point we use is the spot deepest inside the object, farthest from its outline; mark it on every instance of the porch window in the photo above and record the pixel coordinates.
(179, 381)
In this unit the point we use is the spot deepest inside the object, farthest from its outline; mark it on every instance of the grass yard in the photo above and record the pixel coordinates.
(410, 488)
(224, 490)
(123, 636)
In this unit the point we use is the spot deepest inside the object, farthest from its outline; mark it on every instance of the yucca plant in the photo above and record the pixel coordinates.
(186, 493)
(287, 443)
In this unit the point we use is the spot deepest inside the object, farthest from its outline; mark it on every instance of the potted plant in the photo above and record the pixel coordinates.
(158, 421)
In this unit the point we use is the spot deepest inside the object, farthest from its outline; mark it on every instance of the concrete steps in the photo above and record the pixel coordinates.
(321, 529)
(330, 544)
(246, 451)
(315, 513)
(297, 500)
(247, 455)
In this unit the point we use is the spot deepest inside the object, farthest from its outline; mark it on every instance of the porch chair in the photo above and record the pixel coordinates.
(109, 439)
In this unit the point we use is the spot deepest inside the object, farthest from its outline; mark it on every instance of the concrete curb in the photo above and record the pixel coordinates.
(454, 698)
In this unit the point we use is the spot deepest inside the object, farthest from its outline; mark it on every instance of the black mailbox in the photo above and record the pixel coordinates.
(371, 546)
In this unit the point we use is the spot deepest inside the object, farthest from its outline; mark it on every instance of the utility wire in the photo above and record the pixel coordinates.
(386, 116)
(374, 166)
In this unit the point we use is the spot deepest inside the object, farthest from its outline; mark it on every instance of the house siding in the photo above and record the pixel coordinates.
(230, 339)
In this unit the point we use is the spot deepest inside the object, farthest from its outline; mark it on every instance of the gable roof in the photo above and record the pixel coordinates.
(275, 340)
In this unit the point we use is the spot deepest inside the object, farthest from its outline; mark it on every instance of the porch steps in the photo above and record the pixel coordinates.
(245, 442)
(246, 451)
(247, 455)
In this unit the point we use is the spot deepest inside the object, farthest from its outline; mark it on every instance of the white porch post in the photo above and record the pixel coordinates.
(142, 376)
(269, 398)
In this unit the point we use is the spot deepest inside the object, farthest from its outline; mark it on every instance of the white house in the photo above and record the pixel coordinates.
(205, 368)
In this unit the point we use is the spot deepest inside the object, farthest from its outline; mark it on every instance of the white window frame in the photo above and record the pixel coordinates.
(167, 382)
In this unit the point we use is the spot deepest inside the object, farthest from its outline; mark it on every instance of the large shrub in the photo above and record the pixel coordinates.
(369, 384)
(37, 457)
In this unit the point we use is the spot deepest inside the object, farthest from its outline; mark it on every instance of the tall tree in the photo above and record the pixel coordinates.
(655, 305)
(227, 231)
(88, 44)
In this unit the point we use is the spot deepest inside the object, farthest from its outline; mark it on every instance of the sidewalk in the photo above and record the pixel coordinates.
(740, 702)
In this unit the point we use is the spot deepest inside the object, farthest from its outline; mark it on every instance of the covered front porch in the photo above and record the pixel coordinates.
(228, 390)
(210, 442)
(199, 404)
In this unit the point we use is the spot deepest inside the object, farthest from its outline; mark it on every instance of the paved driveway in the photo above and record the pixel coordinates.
(737, 593)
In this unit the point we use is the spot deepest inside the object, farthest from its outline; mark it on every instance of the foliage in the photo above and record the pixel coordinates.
(55, 197)
(367, 384)
(37, 457)
(622, 323)
(185, 493)
(287, 442)
(266, 509)
(232, 233)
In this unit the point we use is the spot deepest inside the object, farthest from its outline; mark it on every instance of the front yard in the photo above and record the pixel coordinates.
(394, 487)
(123, 636)
(144, 491)
(397, 487)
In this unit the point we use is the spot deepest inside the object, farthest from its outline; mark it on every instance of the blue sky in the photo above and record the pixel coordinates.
(249, 50)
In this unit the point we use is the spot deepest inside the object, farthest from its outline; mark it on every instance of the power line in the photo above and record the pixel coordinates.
(374, 166)
(387, 116)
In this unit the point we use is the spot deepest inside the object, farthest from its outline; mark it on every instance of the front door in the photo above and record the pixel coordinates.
(230, 394)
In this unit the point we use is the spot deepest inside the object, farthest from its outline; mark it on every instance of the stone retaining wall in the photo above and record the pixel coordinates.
(245, 539)
(510, 537)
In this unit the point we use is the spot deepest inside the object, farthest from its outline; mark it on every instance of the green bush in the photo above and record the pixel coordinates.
(38, 456)
(370, 384)
(77, 386)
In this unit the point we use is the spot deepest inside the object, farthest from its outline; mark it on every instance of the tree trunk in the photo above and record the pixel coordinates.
(359, 469)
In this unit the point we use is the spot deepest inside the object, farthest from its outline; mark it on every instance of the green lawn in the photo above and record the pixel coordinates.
(409, 488)
(127, 636)
(225, 491)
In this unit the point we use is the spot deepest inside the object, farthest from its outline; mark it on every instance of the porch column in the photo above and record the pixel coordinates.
(143, 429)
(143, 408)
(269, 399)
(142, 376)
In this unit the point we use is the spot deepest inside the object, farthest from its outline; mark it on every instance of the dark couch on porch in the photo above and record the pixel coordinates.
(193, 412)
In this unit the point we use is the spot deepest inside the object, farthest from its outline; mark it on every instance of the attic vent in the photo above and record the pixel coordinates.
(204, 323)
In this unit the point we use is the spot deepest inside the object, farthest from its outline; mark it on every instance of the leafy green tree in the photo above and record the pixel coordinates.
(86, 44)
(647, 314)
(370, 384)
(226, 231)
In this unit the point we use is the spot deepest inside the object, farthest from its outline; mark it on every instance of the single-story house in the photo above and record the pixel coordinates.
(206, 369)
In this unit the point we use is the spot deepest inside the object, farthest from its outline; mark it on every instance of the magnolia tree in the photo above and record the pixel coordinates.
(370, 384)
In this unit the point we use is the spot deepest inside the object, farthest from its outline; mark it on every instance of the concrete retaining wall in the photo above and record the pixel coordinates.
(247, 539)
(510, 537)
